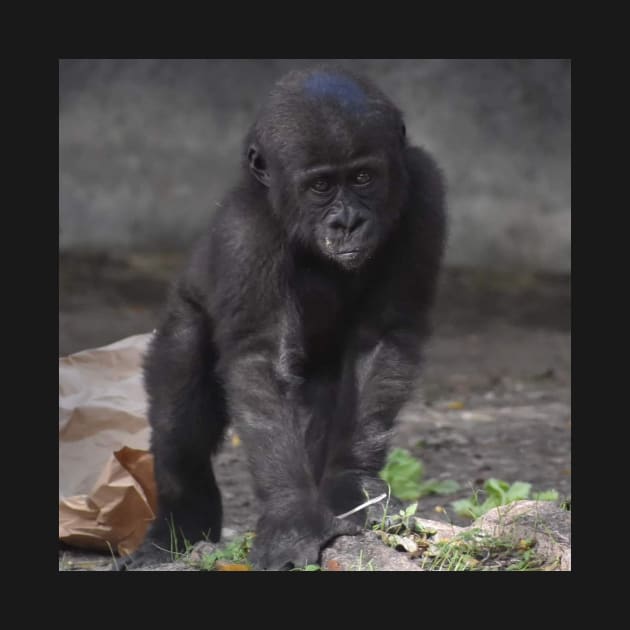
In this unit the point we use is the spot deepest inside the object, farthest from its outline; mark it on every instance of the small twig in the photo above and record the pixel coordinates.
(363, 505)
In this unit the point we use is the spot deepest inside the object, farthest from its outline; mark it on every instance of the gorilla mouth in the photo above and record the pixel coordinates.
(348, 254)
(349, 258)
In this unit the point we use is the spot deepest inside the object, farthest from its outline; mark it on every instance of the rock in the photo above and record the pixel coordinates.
(543, 521)
(171, 566)
(364, 552)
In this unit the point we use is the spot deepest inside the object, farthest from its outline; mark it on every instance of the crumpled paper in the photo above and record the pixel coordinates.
(107, 494)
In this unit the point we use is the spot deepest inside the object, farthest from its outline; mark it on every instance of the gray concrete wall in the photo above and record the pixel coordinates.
(148, 147)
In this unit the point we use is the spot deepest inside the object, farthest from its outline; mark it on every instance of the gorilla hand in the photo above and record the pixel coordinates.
(345, 490)
(294, 536)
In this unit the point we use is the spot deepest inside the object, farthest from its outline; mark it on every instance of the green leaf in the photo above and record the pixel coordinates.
(208, 561)
(403, 473)
(547, 495)
(465, 507)
(496, 489)
(234, 552)
(407, 491)
(411, 509)
(446, 486)
(518, 491)
(499, 493)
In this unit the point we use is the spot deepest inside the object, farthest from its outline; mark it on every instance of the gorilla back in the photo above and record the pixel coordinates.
(300, 318)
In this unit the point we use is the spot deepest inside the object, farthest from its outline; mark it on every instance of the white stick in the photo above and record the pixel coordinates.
(363, 505)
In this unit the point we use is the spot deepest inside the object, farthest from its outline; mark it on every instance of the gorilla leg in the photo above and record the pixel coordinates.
(188, 417)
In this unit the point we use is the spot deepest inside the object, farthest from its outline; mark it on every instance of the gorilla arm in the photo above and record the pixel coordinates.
(378, 377)
(262, 394)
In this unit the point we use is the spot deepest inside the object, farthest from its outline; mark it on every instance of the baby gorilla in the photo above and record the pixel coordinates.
(299, 319)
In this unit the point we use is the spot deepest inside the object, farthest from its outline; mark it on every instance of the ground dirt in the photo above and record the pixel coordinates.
(494, 399)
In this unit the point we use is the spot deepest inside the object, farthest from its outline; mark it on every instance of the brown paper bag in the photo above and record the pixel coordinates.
(106, 485)
(116, 513)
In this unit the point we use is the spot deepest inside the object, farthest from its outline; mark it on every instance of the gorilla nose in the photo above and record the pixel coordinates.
(346, 221)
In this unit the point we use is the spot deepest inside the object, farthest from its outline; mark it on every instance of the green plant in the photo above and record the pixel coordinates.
(174, 549)
(402, 531)
(235, 552)
(470, 550)
(546, 495)
(527, 562)
(404, 474)
(475, 550)
(400, 522)
(499, 493)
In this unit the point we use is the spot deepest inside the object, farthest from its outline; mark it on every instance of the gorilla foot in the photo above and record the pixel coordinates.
(149, 554)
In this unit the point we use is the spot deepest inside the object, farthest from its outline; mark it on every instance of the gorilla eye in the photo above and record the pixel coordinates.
(321, 185)
(362, 178)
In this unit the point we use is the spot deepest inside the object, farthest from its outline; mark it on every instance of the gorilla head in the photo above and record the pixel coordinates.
(330, 149)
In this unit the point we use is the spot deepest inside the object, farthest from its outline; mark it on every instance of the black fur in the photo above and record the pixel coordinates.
(300, 319)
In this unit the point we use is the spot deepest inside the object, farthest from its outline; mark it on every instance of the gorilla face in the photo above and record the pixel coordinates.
(334, 166)
(342, 209)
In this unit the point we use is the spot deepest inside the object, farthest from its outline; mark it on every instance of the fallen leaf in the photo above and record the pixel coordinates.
(404, 542)
(231, 566)
(333, 565)
(236, 441)
(455, 404)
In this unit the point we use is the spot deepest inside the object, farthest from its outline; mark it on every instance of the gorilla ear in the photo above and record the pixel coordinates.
(257, 166)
